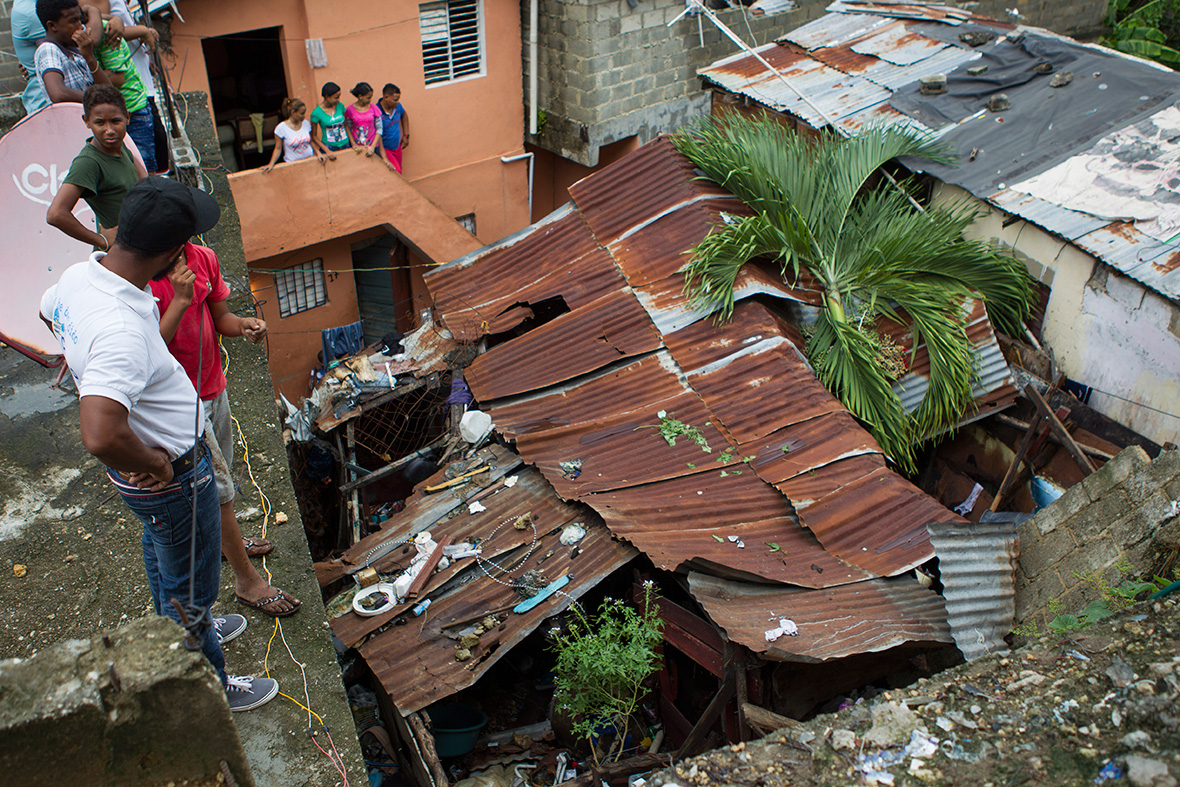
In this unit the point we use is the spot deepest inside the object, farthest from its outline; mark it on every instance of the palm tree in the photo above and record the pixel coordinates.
(875, 256)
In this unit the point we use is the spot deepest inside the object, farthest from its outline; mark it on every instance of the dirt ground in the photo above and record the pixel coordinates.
(1099, 706)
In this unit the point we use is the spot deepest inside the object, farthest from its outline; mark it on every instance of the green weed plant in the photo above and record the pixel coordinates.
(603, 661)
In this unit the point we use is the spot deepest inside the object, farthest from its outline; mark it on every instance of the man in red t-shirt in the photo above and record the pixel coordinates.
(194, 312)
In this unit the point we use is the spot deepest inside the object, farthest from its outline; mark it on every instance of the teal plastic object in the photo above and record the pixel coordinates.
(456, 728)
(542, 594)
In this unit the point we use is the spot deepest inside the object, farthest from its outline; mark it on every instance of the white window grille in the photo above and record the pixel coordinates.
(468, 222)
(452, 39)
(301, 287)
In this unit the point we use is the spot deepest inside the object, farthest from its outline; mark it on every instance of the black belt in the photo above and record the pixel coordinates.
(184, 462)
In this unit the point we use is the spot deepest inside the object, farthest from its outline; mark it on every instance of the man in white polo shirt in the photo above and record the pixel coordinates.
(140, 414)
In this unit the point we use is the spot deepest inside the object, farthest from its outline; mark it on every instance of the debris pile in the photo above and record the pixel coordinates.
(1097, 707)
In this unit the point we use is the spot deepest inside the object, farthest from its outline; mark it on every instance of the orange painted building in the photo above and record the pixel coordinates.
(330, 243)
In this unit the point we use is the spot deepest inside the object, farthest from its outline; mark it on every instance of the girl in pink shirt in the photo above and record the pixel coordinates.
(363, 122)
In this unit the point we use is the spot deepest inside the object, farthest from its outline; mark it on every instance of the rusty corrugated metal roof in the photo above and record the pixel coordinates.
(416, 664)
(583, 396)
(584, 340)
(427, 669)
(833, 622)
(678, 522)
(977, 566)
(563, 259)
(834, 92)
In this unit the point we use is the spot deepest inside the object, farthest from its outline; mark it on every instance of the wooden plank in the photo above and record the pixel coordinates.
(354, 498)
(428, 569)
(1059, 429)
(1016, 423)
(1010, 475)
(675, 722)
(392, 467)
(425, 739)
(693, 636)
(766, 722)
(707, 720)
(739, 667)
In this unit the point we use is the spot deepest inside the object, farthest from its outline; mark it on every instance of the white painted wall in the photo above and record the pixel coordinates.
(1107, 330)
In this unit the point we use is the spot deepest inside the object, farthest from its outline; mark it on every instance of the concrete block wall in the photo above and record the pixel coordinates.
(608, 71)
(1127, 511)
(141, 711)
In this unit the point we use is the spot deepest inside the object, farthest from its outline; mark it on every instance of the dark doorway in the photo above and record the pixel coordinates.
(383, 294)
(247, 85)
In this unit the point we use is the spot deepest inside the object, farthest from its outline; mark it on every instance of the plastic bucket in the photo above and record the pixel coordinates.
(456, 728)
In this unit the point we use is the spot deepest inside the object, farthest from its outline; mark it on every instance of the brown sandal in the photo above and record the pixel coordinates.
(262, 604)
(257, 547)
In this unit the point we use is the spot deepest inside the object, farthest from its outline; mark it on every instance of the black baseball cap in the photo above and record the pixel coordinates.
(159, 214)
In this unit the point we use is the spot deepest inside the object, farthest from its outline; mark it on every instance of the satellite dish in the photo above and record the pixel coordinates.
(34, 159)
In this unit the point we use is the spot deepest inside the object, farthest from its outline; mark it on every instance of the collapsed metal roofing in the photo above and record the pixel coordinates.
(1115, 123)
(772, 485)
(416, 663)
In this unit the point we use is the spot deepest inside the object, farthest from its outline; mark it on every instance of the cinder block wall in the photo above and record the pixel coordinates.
(1126, 510)
(609, 71)
(143, 711)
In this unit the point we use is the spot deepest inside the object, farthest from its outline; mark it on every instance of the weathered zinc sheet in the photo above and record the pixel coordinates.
(416, 663)
(832, 623)
(977, 567)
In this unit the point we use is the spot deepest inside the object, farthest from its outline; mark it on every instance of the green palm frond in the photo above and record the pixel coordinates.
(875, 255)
(846, 362)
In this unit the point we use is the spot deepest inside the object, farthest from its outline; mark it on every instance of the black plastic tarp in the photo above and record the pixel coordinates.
(1045, 125)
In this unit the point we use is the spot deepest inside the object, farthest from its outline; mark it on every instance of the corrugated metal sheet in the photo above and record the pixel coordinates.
(877, 522)
(918, 11)
(581, 341)
(624, 450)
(416, 664)
(677, 523)
(834, 30)
(1069, 224)
(1151, 262)
(834, 622)
(891, 77)
(615, 200)
(654, 249)
(835, 93)
(668, 309)
(977, 566)
(563, 260)
(614, 392)
(896, 43)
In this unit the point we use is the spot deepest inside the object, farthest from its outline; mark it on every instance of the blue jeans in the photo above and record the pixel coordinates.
(167, 539)
(142, 131)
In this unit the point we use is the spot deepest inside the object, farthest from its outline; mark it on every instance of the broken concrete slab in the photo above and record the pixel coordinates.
(129, 708)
